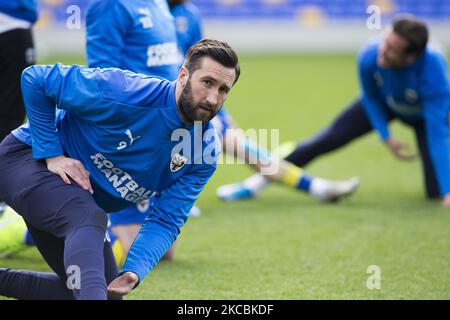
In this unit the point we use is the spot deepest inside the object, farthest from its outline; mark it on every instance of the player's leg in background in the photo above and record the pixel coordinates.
(285, 173)
(65, 211)
(349, 125)
(16, 53)
(273, 168)
(431, 184)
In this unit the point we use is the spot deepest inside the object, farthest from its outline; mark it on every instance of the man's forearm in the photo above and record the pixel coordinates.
(41, 113)
(151, 243)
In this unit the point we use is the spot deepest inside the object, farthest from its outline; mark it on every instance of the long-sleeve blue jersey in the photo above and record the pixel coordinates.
(20, 9)
(136, 35)
(419, 90)
(125, 128)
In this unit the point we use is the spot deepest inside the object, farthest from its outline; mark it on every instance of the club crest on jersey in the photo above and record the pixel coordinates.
(178, 161)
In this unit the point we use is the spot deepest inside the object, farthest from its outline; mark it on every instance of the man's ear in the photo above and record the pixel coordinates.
(183, 75)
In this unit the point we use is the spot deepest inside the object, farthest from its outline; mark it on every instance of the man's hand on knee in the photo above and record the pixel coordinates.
(68, 168)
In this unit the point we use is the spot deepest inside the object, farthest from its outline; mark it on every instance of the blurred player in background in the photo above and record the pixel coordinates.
(16, 53)
(400, 78)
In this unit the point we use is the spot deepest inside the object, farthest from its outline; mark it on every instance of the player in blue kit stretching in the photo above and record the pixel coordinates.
(400, 78)
(99, 140)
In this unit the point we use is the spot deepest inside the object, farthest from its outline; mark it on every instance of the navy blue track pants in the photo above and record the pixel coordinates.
(66, 224)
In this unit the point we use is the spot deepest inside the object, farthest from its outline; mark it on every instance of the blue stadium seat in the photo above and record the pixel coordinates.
(286, 10)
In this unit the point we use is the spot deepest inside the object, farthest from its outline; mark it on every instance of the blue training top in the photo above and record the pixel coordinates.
(134, 35)
(120, 125)
(418, 91)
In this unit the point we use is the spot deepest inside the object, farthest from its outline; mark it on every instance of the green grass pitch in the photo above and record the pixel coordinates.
(284, 245)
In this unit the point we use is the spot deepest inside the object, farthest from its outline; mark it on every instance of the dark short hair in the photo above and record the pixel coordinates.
(217, 50)
(414, 32)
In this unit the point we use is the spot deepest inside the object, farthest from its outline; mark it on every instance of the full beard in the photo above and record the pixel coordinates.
(191, 111)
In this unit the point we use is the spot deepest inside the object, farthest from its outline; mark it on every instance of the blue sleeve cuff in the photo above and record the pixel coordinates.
(48, 153)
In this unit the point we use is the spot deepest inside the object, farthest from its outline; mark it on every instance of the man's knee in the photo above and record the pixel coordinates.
(94, 216)
(78, 213)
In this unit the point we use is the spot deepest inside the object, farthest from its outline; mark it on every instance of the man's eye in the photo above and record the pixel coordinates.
(207, 82)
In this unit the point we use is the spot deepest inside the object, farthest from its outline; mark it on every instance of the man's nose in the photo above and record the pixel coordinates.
(212, 98)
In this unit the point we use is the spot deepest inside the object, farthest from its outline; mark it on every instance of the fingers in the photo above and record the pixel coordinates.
(79, 174)
(67, 169)
(114, 288)
(63, 176)
(122, 285)
(402, 151)
(404, 154)
(116, 292)
(408, 157)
